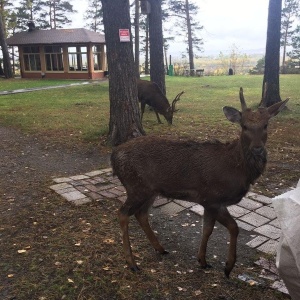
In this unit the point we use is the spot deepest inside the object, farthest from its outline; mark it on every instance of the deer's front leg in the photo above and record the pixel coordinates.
(158, 118)
(226, 219)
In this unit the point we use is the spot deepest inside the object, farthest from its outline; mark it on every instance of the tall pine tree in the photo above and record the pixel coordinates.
(270, 88)
(94, 16)
(185, 12)
(290, 12)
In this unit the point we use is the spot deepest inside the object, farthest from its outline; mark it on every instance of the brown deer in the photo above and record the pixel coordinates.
(149, 93)
(212, 174)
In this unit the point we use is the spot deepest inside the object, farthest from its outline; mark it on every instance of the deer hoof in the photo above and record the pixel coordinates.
(227, 273)
(135, 269)
(207, 266)
(163, 252)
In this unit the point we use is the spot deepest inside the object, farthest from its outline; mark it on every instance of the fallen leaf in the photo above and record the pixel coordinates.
(106, 268)
(80, 262)
(70, 280)
(78, 244)
(108, 241)
(22, 251)
(10, 275)
(198, 292)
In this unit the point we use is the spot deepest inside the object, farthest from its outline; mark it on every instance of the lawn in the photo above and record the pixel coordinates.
(82, 112)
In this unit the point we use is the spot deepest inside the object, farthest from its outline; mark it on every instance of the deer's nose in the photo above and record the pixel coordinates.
(258, 150)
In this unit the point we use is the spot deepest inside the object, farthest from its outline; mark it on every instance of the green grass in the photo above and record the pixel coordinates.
(83, 111)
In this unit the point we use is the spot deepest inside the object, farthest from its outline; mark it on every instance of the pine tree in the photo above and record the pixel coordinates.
(125, 120)
(7, 69)
(270, 88)
(58, 13)
(289, 12)
(94, 16)
(185, 12)
(294, 54)
(31, 10)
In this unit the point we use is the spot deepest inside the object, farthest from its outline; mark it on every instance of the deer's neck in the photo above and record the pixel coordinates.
(254, 164)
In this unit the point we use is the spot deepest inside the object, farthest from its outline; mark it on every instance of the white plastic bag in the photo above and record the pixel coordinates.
(287, 207)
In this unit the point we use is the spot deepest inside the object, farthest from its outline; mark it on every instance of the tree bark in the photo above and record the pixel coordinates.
(157, 70)
(190, 39)
(137, 38)
(270, 88)
(125, 120)
(7, 69)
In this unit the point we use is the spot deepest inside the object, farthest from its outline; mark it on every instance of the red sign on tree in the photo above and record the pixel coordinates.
(124, 35)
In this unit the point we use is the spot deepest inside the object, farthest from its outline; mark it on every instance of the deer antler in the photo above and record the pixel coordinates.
(177, 98)
(242, 99)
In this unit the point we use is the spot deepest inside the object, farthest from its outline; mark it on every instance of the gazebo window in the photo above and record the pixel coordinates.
(78, 58)
(31, 57)
(54, 58)
(97, 55)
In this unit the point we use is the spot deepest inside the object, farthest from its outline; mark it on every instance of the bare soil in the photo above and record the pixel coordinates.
(70, 252)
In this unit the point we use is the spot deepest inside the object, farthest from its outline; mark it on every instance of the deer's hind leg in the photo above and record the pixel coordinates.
(139, 206)
(208, 227)
(142, 217)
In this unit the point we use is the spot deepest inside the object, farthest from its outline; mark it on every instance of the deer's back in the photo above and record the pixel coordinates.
(150, 93)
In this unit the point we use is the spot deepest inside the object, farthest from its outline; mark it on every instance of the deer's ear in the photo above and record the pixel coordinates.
(232, 114)
(274, 109)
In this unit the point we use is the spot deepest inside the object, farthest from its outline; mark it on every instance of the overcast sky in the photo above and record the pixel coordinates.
(226, 22)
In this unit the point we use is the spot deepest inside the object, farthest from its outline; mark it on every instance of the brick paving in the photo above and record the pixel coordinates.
(254, 213)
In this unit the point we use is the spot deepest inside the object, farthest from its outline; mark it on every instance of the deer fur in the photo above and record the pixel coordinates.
(212, 174)
(149, 93)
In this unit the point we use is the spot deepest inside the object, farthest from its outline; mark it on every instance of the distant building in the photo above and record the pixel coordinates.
(60, 53)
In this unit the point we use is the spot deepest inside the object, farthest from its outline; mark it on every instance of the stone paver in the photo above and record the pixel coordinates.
(249, 204)
(269, 231)
(257, 241)
(267, 211)
(269, 247)
(254, 219)
(171, 209)
(237, 211)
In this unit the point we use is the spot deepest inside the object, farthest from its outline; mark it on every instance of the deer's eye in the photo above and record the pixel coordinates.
(245, 127)
(266, 126)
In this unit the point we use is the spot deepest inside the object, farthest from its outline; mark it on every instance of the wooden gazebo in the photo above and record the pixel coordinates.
(60, 53)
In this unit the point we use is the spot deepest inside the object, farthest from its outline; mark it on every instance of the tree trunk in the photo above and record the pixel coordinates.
(7, 69)
(283, 67)
(190, 40)
(137, 38)
(125, 119)
(147, 47)
(157, 70)
(270, 89)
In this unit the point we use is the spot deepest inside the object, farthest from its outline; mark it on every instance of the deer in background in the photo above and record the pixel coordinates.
(213, 174)
(149, 93)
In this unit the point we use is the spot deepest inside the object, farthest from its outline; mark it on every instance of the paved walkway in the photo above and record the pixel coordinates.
(254, 213)
(42, 88)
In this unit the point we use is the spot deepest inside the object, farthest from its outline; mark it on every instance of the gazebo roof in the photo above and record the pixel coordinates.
(56, 36)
